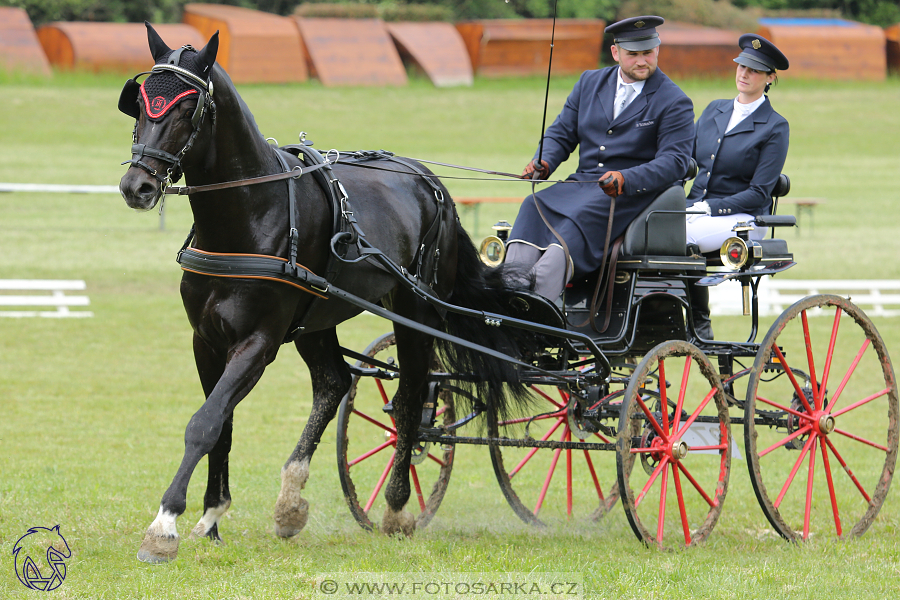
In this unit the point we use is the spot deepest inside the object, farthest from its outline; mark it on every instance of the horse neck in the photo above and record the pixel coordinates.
(251, 219)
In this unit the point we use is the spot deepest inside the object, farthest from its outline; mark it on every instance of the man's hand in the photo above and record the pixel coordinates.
(535, 171)
(612, 183)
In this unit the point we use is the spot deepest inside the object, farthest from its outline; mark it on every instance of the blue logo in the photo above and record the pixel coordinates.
(40, 541)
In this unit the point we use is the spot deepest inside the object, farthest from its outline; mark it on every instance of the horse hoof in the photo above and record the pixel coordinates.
(212, 533)
(290, 520)
(157, 550)
(398, 522)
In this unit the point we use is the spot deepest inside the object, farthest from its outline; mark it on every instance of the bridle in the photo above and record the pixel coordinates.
(205, 104)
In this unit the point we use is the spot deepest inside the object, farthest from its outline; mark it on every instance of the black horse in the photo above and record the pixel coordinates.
(190, 120)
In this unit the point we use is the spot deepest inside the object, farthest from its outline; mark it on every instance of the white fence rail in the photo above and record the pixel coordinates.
(877, 298)
(19, 294)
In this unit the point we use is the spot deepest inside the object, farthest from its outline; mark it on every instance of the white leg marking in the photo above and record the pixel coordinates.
(291, 510)
(211, 517)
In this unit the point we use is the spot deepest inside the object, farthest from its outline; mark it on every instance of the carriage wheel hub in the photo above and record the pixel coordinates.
(679, 450)
(826, 424)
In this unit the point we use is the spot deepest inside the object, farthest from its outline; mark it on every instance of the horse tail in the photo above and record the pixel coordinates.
(482, 288)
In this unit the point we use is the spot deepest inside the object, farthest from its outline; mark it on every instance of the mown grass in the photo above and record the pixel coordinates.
(93, 410)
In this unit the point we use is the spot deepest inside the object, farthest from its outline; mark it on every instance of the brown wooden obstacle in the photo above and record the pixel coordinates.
(435, 48)
(254, 46)
(499, 47)
(695, 51)
(892, 37)
(115, 47)
(351, 52)
(829, 48)
(20, 49)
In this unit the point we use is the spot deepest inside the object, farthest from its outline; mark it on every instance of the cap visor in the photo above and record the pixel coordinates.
(638, 46)
(753, 64)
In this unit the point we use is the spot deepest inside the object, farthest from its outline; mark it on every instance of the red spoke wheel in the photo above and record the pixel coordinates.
(547, 486)
(821, 425)
(673, 451)
(367, 439)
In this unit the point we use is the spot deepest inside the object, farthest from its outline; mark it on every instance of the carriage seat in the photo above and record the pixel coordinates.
(659, 229)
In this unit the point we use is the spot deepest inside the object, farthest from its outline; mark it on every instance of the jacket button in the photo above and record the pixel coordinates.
(712, 156)
(610, 131)
(719, 141)
(707, 173)
(603, 147)
(599, 164)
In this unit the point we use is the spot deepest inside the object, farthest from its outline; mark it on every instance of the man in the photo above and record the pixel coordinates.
(635, 130)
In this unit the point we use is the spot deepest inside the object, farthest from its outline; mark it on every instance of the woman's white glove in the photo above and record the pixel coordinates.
(702, 205)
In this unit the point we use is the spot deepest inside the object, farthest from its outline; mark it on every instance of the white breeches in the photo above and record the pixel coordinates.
(711, 232)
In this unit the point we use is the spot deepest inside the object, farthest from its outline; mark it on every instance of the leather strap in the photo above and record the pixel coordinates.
(196, 189)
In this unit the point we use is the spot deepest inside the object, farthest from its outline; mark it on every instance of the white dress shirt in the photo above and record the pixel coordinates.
(742, 111)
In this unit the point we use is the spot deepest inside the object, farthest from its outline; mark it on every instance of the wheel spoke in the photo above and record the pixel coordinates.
(437, 460)
(680, 404)
(828, 478)
(861, 440)
(710, 501)
(847, 470)
(826, 371)
(381, 480)
(809, 359)
(809, 485)
(590, 464)
(533, 451)
(693, 417)
(543, 494)
(681, 508)
(544, 417)
(375, 422)
(650, 418)
(785, 408)
(547, 397)
(793, 379)
(656, 471)
(418, 488)
(384, 396)
(663, 396)
(370, 453)
(790, 479)
(866, 400)
(568, 437)
(780, 444)
(850, 371)
(661, 523)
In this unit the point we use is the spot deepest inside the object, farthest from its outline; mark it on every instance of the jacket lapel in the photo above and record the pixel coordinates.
(607, 95)
(723, 117)
(760, 115)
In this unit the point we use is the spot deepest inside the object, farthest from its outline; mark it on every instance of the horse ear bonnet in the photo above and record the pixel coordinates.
(162, 90)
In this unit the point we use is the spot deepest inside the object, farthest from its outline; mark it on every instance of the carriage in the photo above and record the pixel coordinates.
(615, 387)
(669, 466)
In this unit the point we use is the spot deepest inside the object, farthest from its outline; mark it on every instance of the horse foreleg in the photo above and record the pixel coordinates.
(414, 352)
(245, 366)
(330, 381)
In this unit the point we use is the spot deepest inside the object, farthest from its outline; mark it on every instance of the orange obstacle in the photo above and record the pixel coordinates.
(436, 48)
(695, 51)
(829, 48)
(499, 47)
(351, 52)
(254, 46)
(20, 49)
(892, 35)
(117, 47)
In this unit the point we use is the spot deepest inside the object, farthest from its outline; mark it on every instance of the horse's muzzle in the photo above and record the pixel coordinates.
(140, 191)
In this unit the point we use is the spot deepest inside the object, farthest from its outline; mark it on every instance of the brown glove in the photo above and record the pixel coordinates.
(612, 183)
(533, 171)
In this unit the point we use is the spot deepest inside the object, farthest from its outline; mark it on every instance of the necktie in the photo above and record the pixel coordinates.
(624, 99)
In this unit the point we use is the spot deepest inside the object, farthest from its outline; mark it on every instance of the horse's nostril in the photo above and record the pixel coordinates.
(146, 189)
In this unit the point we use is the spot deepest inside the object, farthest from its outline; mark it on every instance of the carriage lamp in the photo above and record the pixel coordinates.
(493, 247)
(737, 253)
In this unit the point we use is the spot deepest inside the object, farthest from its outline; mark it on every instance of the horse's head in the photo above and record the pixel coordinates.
(169, 109)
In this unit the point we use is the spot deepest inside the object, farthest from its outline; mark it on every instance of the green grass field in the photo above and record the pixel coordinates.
(92, 411)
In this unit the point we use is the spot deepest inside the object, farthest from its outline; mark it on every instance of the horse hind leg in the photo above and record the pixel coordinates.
(414, 352)
(330, 382)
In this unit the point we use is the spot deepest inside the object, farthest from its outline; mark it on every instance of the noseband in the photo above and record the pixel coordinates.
(128, 106)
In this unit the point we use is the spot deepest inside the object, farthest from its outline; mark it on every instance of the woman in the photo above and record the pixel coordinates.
(740, 147)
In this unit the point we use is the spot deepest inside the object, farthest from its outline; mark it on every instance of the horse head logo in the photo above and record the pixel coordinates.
(40, 541)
